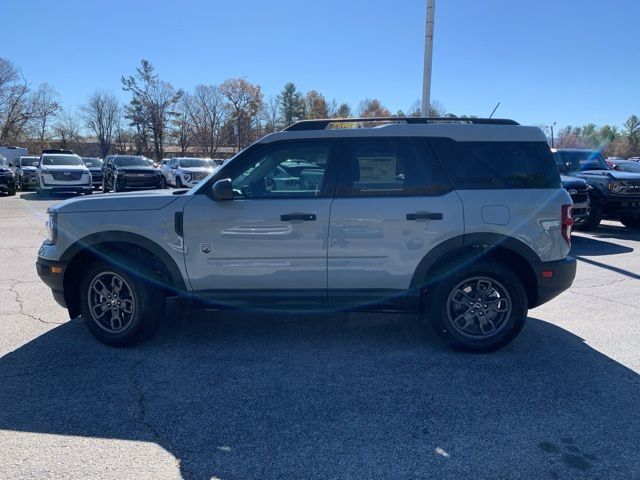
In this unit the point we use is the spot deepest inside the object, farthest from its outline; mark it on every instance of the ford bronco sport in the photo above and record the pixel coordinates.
(462, 221)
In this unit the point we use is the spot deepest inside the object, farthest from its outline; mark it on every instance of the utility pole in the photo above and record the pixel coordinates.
(428, 55)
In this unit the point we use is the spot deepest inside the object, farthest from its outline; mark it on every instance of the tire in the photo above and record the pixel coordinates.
(11, 192)
(104, 187)
(135, 319)
(179, 183)
(630, 221)
(461, 296)
(594, 218)
(88, 192)
(163, 182)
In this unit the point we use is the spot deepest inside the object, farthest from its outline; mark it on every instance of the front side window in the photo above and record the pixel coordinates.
(391, 167)
(573, 161)
(272, 172)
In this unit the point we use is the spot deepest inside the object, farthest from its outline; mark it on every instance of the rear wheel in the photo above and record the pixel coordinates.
(594, 218)
(478, 308)
(119, 308)
(630, 221)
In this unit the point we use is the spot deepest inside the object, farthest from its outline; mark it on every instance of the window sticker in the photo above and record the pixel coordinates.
(377, 169)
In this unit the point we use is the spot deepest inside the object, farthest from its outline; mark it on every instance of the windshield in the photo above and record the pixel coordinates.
(579, 161)
(131, 162)
(93, 162)
(57, 160)
(195, 163)
(28, 161)
(628, 167)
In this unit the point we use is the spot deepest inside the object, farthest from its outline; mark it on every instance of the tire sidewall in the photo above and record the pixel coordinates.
(436, 308)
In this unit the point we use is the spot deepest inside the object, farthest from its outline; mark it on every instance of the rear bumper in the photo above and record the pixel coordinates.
(561, 277)
(52, 275)
(71, 188)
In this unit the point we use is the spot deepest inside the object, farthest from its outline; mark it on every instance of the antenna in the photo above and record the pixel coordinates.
(494, 110)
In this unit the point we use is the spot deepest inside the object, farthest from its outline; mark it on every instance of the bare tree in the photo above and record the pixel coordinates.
(271, 115)
(208, 114)
(100, 115)
(152, 105)
(45, 107)
(183, 127)
(16, 106)
(67, 131)
(243, 101)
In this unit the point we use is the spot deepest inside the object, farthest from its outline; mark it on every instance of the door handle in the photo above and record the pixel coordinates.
(424, 215)
(307, 217)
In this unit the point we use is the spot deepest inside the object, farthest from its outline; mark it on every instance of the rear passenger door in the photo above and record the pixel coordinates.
(393, 205)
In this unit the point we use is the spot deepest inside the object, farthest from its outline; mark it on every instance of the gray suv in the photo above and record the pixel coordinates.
(464, 222)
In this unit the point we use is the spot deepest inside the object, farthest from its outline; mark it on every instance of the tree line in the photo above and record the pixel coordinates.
(232, 114)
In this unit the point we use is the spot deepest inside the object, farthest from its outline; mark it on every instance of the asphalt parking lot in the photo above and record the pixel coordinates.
(239, 396)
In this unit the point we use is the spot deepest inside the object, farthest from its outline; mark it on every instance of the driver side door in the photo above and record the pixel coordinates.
(269, 244)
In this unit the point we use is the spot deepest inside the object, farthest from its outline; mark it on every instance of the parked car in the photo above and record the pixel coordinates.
(624, 165)
(26, 171)
(578, 189)
(7, 178)
(129, 172)
(62, 171)
(94, 165)
(186, 171)
(464, 222)
(613, 194)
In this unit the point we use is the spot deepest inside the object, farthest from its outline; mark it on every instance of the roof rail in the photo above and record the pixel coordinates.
(321, 124)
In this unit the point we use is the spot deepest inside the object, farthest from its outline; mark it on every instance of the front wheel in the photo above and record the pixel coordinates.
(477, 308)
(11, 191)
(119, 308)
(104, 187)
(179, 183)
(630, 221)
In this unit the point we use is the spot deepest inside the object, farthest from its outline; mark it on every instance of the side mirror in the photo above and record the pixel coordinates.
(222, 190)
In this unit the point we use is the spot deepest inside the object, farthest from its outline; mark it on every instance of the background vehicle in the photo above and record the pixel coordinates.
(63, 171)
(579, 192)
(462, 221)
(613, 194)
(7, 178)
(129, 172)
(95, 167)
(26, 170)
(624, 165)
(12, 153)
(186, 171)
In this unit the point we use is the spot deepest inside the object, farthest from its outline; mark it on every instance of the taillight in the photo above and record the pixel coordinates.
(567, 222)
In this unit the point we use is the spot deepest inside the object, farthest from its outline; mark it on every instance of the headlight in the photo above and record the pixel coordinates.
(52, 226)
(186, 176)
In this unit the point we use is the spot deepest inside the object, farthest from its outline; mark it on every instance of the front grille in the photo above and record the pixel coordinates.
(66, 176)
(578, 195)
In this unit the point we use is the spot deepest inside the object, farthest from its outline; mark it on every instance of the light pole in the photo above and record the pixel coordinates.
(552, 138)
(428, 54)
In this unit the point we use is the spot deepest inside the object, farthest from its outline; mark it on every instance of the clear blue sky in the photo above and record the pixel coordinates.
(568, 61)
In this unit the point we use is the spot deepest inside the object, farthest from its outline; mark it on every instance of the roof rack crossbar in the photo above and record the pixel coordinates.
(321, 124)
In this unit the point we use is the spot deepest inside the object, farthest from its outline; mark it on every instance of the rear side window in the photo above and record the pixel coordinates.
(497, 165)
(391, 166)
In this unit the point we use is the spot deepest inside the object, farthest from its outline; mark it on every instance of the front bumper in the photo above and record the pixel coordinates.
(620, 204)
(7, 183)
(550, 285)
(28, 180)
(52, 274)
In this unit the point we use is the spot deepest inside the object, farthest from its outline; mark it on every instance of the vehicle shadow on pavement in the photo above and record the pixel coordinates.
(616, 231)
(590, 246)
(353, 396)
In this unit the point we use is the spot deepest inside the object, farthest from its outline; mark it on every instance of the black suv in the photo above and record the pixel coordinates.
(129, 172)
(579, 191)
(95, 167)
(7, 178)
(614, 195)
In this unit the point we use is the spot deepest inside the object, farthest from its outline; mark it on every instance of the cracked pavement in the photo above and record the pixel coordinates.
(238, 396)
